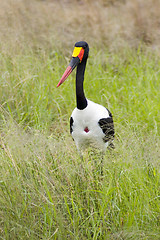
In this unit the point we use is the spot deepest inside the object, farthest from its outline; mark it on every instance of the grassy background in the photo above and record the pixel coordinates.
(46, 191)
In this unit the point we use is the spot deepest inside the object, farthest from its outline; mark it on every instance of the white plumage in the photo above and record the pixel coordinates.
(89, 118)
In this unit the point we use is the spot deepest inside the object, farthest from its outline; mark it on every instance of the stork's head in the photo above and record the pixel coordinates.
(80, 53)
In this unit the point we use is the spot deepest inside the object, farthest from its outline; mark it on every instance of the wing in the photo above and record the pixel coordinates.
(107, 126)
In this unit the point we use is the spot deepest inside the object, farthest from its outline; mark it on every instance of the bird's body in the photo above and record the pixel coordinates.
(91, 124)
(85, 126)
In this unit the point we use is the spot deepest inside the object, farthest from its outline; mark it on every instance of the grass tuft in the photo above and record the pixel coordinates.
(47, 190)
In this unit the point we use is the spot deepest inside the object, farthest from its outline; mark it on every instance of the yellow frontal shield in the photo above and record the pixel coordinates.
(76, 51)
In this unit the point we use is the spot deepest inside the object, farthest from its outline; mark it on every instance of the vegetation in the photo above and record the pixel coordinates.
(46, 190)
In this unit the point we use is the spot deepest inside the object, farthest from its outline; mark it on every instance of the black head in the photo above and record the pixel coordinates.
(85, 46)
(80, 53)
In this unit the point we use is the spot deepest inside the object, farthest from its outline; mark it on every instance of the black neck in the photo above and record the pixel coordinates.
(81, 99)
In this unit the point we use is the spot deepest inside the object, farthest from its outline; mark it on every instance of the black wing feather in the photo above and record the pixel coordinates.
(71, 125)
(107, 127)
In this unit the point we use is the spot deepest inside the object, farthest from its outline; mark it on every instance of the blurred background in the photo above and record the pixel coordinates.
(51, 24)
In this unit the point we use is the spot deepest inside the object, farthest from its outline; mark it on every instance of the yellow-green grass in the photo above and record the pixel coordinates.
(46, 190)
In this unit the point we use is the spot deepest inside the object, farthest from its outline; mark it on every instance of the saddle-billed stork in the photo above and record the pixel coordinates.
(90, 123)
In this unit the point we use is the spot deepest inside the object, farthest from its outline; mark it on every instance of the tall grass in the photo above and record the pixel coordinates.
(127, 83)
(46, 190)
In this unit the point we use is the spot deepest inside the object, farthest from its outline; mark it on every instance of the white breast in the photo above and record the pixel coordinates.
(89, 117)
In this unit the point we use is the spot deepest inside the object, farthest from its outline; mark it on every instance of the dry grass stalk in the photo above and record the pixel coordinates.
(54, 23)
